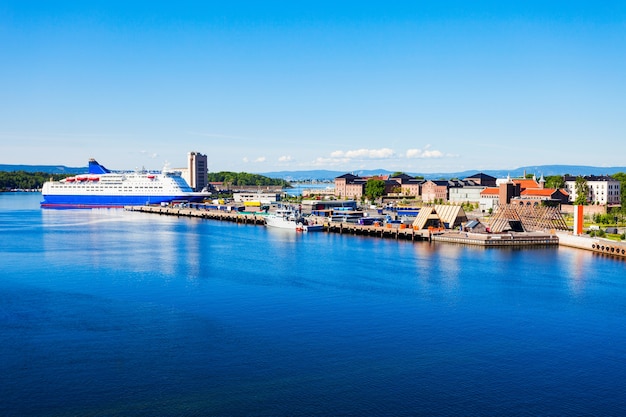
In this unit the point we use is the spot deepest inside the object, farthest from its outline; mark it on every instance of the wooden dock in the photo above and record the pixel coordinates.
(231, 216)
(498, 240)
(396, 232)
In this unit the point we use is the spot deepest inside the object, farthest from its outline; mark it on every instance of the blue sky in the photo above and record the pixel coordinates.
(259, 86)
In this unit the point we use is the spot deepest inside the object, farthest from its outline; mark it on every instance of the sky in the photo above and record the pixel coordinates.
(261, 86)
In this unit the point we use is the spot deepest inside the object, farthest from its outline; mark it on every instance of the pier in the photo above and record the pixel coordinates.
(498, 240)
(389, 231)
(594, 244)
(223, 215)
(403, 232)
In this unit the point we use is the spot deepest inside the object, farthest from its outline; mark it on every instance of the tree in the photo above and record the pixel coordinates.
(374, 189)
(582, 190)
(244, 178)
(397, 174)
(555, 181)
(26, 180)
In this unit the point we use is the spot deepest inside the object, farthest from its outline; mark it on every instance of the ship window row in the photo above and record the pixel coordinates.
(96, 187)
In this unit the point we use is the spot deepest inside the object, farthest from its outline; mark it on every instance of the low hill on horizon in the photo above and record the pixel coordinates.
(49, 169)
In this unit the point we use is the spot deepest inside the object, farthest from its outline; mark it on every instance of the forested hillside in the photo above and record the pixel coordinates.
(25, 180)
(244, 178)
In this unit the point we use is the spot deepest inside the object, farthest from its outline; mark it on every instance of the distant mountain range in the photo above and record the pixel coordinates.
(325, 175)
(538, 170)
(48, 169)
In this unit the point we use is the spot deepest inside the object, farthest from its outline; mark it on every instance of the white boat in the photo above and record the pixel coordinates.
(285, 218)
(290, 218)
(101, 187)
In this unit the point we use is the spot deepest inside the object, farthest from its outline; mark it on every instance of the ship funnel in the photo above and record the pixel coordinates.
(96, 168)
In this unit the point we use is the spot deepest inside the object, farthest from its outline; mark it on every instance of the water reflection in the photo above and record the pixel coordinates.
(102, 238)
(578, 264)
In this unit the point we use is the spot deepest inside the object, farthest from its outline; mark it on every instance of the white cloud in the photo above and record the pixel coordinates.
(333, 161)
(382, 153)
(432, 154)
(350, 157)
(260, 159)
(423, 154)
(284, 158)
(245, 159)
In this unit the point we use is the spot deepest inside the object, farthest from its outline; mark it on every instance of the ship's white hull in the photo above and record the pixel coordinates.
(103, 188)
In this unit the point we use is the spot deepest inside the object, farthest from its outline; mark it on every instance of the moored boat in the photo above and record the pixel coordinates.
(287, 217)
(284, 218)
(101, 187)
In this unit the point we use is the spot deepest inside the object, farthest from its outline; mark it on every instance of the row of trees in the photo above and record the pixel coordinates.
(244, 178)
(22, 180)
(34, 180)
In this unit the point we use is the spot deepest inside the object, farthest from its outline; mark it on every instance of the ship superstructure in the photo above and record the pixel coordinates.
(101, 187)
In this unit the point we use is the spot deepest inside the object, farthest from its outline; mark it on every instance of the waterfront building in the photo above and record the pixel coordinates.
(482, 179)
(435, 190)
(522, 183)
(324, 208)
(409, 186)
(465, 191)
(197, 171)
(511, 188)
(489, 198)
(602, 190)
(318, 192)
(469, 189)
(543, 195)
(251, 196)
(353, 186)
(349, 186)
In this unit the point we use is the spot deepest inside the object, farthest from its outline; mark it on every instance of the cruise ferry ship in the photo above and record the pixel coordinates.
(102, 187)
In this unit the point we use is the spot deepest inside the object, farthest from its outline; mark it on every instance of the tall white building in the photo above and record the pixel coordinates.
(197, 171)
(602, 189)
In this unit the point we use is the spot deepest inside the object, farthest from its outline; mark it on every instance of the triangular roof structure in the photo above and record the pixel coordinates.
(481, 176)
(452, 216)
(427, 217)
(348, 176)
(530, 217)
(482, 179)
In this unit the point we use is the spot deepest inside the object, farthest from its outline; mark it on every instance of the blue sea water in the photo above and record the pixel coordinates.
(107, 313)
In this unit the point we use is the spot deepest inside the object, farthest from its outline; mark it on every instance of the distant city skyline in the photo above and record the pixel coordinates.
(344, 86)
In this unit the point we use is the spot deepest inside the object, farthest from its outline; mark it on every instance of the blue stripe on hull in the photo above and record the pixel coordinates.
(91, 201)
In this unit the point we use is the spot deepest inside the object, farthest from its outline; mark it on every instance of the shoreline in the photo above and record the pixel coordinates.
(513, 239)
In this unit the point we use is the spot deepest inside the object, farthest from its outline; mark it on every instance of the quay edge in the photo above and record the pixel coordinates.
(593, 244)
(527, 239)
